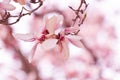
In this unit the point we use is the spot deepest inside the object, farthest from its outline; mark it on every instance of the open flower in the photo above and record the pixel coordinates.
(51, 37)
(46, 38)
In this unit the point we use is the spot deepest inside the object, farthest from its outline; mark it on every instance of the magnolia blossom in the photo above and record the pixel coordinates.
(52, 36)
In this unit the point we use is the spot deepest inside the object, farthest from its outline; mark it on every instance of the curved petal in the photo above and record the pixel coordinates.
(53, 23)
(25, 37)
(49, 44)
(65, 49)
(75, 39)
(60, 19)
(30, 57)
(71, 29)
(38, 35)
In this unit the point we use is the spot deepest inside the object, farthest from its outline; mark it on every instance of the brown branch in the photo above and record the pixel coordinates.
(80, 11)
(21, 14)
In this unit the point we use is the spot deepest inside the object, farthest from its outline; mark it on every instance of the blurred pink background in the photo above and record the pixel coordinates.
(97, 60)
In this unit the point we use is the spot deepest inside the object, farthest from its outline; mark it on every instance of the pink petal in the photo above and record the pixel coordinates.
(65, 49)
(60, 19)
(25, 37)
(53, 23)
(32, 53)
(7, 6)
(75, 39)
(49, 44)
(38, 35)
(71, 29)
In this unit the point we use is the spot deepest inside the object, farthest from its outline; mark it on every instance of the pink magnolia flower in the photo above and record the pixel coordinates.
(52, 37)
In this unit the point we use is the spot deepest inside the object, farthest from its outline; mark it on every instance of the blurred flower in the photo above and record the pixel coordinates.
(51, 37)
(22, 2)
(4, 6)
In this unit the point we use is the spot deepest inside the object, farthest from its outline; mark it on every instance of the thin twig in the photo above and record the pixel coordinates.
(79, 11)
(21, 14)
